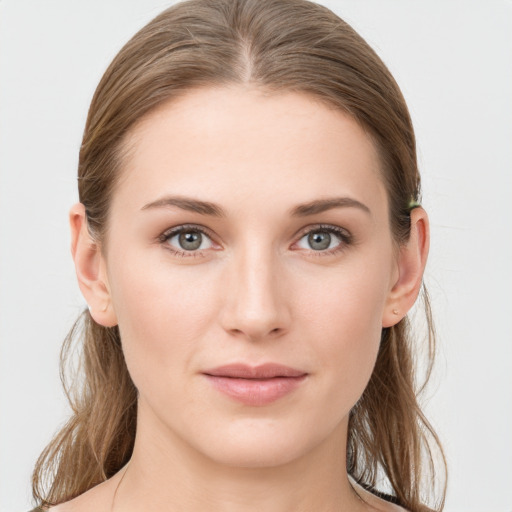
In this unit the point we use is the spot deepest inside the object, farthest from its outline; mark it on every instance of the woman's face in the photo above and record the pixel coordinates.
(249, 229)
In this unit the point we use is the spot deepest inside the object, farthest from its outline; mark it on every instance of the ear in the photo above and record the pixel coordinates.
(90, 269)
(412, 259)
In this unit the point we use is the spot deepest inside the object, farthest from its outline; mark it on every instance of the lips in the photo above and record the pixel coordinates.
(255, 385)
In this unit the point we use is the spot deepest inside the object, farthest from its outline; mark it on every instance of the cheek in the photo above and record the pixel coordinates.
(344, 316)
(162, 316)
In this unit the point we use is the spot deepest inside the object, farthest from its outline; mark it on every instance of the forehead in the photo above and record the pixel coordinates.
(243, 147)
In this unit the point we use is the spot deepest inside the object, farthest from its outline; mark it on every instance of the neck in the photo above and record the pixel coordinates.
(167, 474)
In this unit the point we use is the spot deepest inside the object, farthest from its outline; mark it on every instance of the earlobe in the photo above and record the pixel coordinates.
(90, 269)
(412, 259)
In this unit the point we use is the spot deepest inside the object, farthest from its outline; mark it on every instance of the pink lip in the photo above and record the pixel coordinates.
(255, 385)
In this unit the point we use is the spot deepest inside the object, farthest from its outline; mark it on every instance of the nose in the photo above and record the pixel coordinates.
(256, 301)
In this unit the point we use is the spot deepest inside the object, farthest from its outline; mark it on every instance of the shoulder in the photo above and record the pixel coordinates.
(98, 499)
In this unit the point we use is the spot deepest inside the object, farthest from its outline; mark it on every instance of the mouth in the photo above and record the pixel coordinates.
(255, 385)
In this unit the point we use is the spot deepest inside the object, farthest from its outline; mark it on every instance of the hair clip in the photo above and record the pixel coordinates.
(413, 204)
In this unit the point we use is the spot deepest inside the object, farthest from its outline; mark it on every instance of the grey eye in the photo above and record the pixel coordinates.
(319, 240)
(190, 240)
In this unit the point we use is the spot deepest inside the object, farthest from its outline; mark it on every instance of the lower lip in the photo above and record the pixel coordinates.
(256, 391)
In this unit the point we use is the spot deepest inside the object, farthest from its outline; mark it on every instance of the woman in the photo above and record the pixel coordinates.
(249, 241)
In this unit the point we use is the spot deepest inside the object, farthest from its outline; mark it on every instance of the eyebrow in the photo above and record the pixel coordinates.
(322, 205)
(302, 210)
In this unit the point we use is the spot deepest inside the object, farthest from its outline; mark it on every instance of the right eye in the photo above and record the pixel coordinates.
(186, 240)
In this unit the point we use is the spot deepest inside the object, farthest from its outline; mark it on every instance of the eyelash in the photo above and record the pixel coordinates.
(342, 234)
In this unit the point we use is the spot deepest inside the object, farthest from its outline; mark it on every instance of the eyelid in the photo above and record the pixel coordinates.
(342, 232)
(168, 233)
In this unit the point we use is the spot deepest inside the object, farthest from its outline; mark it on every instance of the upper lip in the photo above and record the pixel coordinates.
(263, 371)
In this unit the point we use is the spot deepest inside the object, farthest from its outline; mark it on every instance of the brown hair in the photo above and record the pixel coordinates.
(278, 45)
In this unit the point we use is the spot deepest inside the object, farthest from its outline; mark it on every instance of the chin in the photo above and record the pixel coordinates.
(261, 444)
(255, 456)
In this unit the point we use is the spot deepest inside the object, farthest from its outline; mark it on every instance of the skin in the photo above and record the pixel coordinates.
(257, 292)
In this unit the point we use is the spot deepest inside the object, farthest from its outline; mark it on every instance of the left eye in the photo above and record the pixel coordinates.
(322, 239)
(188, 239)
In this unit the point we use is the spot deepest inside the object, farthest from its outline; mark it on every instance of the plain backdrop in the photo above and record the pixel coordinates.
(453, 61)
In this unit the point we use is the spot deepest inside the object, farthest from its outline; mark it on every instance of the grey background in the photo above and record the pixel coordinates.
(453, 60)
